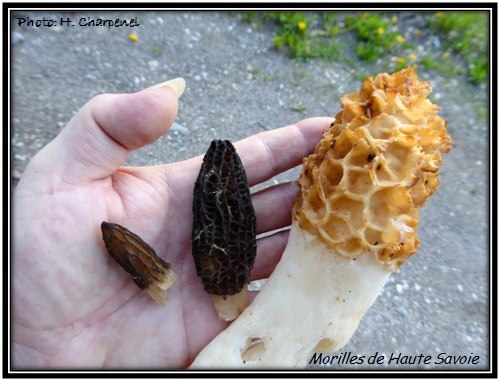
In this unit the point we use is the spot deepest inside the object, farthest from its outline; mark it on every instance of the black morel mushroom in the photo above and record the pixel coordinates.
(224, 229)
(149, 272)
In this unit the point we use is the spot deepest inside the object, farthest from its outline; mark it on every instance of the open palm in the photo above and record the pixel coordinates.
(73, 307)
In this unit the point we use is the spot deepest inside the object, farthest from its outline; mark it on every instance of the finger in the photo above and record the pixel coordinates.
(273, 206)
(269, 252)
(266, 154)
(252, 295)
(99, 138)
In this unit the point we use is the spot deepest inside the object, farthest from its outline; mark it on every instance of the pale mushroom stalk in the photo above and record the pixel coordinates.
(354, 222)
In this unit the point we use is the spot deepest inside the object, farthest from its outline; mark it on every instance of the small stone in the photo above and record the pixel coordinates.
(179, 128)
(16, 174)
(436, 42)
(16, 37)
(153, 64)
(401, 311)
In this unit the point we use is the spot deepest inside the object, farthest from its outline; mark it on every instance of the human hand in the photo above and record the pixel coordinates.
(73, 307)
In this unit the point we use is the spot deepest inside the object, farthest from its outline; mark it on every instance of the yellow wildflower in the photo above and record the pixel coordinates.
(380, 30)
(446, 55)
(439, 14)
(400, 60)
(302, 25)
(412, 56)
(394, 19)
(418, 32)
(400, 39)
(414, 66)
(133, 37)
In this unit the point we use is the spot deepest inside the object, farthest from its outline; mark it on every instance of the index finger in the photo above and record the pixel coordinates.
(266, 154)
(269, 153)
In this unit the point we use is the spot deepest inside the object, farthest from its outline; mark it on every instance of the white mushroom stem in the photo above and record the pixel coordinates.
(230, 307)
(323, 292)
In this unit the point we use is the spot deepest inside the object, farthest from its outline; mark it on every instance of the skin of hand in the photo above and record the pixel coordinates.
(73, 307)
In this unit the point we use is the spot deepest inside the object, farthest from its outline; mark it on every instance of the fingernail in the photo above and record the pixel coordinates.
(177, 84)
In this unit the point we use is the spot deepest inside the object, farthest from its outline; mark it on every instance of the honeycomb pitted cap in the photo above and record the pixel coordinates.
(378, 163)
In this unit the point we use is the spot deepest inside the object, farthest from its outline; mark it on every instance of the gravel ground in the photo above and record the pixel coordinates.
(237, 85)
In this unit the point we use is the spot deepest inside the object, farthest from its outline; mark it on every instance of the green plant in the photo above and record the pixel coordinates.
(256, 70)
(293, 32)
(249, 16)
(374, 33)
(298, 108)
(482, 112)
(303, 35)
(479, 69)
(466, 34)
(267, 77)
(157, 51)
(306, 35)
(442, 63)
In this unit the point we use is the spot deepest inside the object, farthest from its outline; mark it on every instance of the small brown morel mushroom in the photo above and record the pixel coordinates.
(224, 229)
(151, 273)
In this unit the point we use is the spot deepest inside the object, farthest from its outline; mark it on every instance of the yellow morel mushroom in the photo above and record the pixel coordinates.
(354, 222)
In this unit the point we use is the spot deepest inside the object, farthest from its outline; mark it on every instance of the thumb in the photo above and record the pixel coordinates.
(100, 137)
